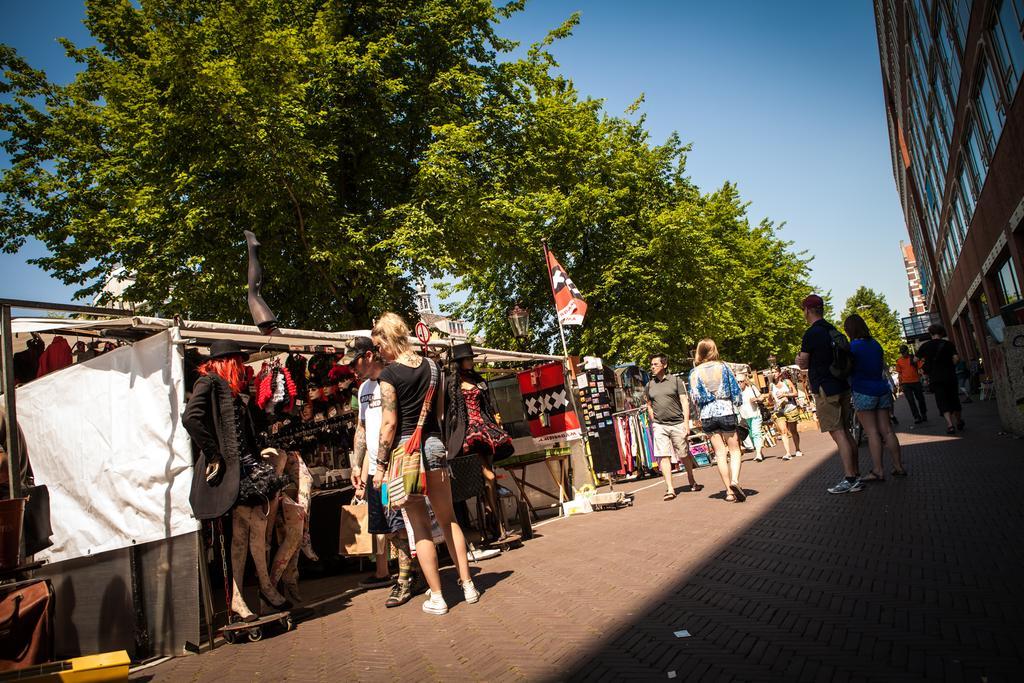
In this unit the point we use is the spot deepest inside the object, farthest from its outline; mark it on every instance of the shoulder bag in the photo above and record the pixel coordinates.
(407, 474)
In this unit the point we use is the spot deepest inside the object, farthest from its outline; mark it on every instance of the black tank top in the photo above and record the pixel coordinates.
(410, 389)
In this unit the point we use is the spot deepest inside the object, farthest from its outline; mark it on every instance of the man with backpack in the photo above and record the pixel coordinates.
(825, 354)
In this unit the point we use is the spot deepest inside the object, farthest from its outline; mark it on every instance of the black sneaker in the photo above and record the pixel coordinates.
(400, 594)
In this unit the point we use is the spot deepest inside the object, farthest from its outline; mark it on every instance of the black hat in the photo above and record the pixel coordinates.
(356, 348)
(223, 348)
(461, 351)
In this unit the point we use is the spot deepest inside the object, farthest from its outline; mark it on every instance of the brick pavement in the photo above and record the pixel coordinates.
(913, 579)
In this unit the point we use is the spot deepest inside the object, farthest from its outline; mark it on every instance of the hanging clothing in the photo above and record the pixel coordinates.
(56, 356)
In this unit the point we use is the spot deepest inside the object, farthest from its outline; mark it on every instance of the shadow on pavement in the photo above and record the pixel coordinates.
(911, 579)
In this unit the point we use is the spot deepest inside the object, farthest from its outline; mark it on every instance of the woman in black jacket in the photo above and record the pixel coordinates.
(230, 471)
(471, 426)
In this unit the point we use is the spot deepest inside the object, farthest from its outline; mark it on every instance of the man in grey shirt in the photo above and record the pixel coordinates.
(668, 407)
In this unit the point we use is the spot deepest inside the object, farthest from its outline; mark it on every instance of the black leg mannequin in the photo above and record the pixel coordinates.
(261, 313)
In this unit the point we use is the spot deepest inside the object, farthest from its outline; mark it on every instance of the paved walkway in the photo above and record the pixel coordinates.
(912, 579)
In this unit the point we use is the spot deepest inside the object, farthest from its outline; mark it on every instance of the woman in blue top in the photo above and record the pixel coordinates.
(872, 397)
(717, 395)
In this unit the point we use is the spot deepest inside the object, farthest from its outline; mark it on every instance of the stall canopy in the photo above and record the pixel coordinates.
(249, 336)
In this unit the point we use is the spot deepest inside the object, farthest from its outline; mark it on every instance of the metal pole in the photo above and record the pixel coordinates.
(13, 444)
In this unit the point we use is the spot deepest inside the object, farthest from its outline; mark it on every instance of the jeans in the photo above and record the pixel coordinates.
(915, 397)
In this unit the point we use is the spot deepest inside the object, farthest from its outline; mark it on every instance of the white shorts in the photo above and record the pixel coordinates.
(670, 441)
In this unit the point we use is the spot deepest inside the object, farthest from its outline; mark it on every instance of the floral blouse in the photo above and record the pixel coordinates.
(715, 399)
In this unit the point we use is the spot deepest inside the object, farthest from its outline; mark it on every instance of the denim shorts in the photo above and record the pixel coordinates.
(434, 452)
(865, 402)
(381, 520)
(719, 425)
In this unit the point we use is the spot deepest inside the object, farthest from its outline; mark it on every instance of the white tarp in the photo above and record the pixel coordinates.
(105, 436)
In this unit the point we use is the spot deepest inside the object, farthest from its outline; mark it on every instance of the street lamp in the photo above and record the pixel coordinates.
(519, 318)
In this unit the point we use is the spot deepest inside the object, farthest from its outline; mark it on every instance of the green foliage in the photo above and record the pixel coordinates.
(366, 144)
(660, 264)
(193, 120)
(883, 322)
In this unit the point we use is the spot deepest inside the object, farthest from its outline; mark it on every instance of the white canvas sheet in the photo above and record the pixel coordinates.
(105, 436)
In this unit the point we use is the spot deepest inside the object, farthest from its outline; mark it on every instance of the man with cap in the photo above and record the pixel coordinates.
(361, 355)
(831, 393)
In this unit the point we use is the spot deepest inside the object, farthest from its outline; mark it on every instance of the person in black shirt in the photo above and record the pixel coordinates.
(404, 386)
(940, 359)
(831, 393)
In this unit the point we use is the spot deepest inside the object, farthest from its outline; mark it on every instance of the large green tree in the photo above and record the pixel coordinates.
(660, 263)
(882, 321)
(191, 120)
(366, 144)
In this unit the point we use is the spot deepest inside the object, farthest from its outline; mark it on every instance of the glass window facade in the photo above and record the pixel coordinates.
(988, 108)
(961, 13)
(1008, 43)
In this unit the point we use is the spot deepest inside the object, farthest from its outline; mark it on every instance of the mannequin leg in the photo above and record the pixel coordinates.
(258, 548)
(261, 313)
(239, 554)
(289, 547)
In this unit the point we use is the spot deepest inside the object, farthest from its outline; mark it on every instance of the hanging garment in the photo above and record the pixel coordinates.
(56, 356)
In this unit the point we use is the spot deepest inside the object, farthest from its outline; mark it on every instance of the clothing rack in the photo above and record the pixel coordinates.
(302, 430)
(629, 411)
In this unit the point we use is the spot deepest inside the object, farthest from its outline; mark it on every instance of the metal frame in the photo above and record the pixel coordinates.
(13, 444)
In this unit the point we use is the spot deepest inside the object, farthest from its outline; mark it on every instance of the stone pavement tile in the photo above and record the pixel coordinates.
(911, 579)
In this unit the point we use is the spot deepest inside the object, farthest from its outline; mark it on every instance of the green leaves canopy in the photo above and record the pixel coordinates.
(365, 144)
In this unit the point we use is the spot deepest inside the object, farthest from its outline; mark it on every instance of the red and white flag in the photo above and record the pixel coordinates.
(568, 301)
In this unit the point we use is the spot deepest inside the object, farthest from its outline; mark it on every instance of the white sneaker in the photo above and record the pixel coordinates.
(480, 555)
(798, 454)
(470, 592)
(435, 603)
(787, 457)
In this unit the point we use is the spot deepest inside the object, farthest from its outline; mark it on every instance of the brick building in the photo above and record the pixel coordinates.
(917, 303)
(951, 73)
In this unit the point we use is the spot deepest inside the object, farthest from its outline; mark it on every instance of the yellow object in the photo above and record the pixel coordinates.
(106, 666)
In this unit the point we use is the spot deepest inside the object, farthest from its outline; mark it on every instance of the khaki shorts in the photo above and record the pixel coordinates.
(833, 411)
(670, 441)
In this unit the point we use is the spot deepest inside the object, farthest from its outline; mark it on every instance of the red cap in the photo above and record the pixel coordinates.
(813, 301)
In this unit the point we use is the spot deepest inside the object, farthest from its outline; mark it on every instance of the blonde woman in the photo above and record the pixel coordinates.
(717, 395)
(787, 414)
(403, 388)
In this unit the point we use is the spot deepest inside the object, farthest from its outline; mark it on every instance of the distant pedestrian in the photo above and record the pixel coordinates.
(717, 395)
(668, 408)
(940, 359)
(750, 413)
(786, 413)
(908, 366)
(823, 355)
(963, 380)
(872, 397)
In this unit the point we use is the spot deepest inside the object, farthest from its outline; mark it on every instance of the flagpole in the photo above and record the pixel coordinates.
(572, 387)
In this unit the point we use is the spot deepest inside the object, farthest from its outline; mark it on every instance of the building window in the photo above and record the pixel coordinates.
(961, 12)
(976, 158)
(1009, 43)
(948, 51)
(967, 195)
(988, 108)
(1009, 288)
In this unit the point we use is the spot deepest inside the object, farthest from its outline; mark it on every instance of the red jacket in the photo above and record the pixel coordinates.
(56, 356)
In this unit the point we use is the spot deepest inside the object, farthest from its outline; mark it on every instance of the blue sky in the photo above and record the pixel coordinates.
(782, 98)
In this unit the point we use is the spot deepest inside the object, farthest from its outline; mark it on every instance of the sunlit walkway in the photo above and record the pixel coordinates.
(911, 579)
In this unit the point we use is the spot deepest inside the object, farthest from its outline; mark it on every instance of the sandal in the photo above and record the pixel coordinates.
(870, 477)
(729, 498)
(669, 495)
(951, 430)
(899, 473)
(696, 488)
(741, 495)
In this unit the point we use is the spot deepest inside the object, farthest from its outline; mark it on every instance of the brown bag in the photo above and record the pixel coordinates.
(356, 538)
(26, 625)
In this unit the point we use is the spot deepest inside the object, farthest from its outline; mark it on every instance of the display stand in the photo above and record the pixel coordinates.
(558, 466)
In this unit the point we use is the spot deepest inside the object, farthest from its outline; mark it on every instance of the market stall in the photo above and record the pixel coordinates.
(106, 438)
